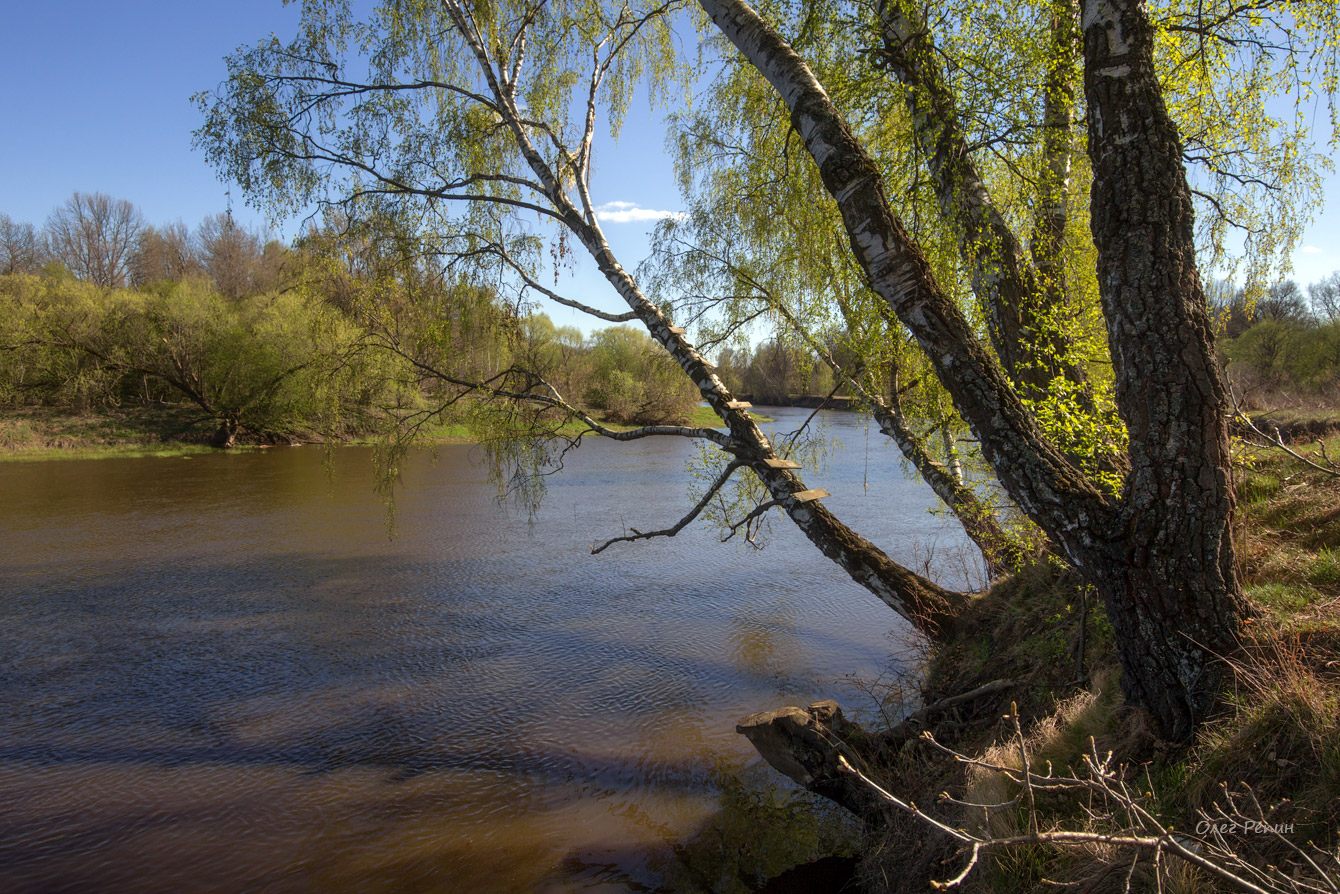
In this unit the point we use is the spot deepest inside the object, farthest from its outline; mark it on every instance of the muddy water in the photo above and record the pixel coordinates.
(218, 673)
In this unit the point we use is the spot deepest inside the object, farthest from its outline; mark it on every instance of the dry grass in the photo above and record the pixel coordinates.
(1278, 730)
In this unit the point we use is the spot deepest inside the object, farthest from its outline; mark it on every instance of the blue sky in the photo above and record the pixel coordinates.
(97, 100)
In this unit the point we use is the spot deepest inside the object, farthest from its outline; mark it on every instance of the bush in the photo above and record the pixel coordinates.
(271, 365)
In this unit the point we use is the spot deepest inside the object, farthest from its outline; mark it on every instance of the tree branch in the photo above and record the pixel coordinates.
(683, 522)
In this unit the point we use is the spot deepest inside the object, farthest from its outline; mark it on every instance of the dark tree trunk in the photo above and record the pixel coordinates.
(1170, 588)
(225, 436)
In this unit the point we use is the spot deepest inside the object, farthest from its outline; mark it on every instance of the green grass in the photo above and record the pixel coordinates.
(184, 451)
(1325, 570)
(1283, 598)
(38, 434)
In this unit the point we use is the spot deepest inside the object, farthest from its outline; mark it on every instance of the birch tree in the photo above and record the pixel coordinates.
(1160, 551)
(467, 122)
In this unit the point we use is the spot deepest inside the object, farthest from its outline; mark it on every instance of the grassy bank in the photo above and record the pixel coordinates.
(41, 434)
(1275, 740)
(172, 430)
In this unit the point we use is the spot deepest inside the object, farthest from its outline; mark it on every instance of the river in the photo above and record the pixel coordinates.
(219, 672)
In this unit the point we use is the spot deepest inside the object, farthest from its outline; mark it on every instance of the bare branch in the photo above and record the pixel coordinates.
(683, 522)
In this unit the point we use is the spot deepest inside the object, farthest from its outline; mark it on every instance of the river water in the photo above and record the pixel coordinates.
(219, 672)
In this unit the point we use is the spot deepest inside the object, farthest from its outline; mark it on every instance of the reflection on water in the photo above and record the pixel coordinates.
(219, 673)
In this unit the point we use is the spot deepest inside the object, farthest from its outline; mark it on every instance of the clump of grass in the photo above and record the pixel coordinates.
(1283, 727)
(1325, 570)
(1283, 599)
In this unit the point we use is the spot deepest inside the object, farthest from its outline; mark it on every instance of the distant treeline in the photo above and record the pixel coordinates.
(353, 330)
(340, 335)
(1283, 346)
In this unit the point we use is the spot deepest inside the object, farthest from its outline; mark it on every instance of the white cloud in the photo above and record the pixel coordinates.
(629, 212)
(1310, 249)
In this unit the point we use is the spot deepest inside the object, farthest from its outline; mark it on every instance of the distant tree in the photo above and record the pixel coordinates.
(632, 380)
(1266, 349)
(561, 351)
(273, 366)
(773, 373)
(165, 254)
(95, 236)
(230, 253)
(728, 368)
(1283, 302)
(21, 247)
(1325, 296)
(273, 268)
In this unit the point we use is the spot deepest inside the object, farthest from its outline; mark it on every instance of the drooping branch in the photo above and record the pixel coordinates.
(532, 283)
(754, 514)
(1019, 301)
(1002, 552)
(1044, 483)
(541, 393)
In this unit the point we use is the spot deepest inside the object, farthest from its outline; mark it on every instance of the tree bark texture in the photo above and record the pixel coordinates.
(1169, 585)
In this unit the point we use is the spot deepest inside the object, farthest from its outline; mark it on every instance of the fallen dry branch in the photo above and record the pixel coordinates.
(1118, 818)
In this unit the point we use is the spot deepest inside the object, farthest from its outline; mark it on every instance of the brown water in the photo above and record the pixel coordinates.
(217, 673)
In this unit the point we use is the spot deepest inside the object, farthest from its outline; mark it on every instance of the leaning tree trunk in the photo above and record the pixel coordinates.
(922, 602)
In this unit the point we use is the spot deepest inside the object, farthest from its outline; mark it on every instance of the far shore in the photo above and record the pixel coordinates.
(172, 431)
(177, 431)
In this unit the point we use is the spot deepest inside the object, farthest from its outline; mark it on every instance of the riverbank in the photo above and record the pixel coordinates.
(1270, 756)
(42, 434)
(174, 430)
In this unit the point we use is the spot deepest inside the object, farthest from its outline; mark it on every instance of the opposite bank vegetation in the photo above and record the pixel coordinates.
(179, 340)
